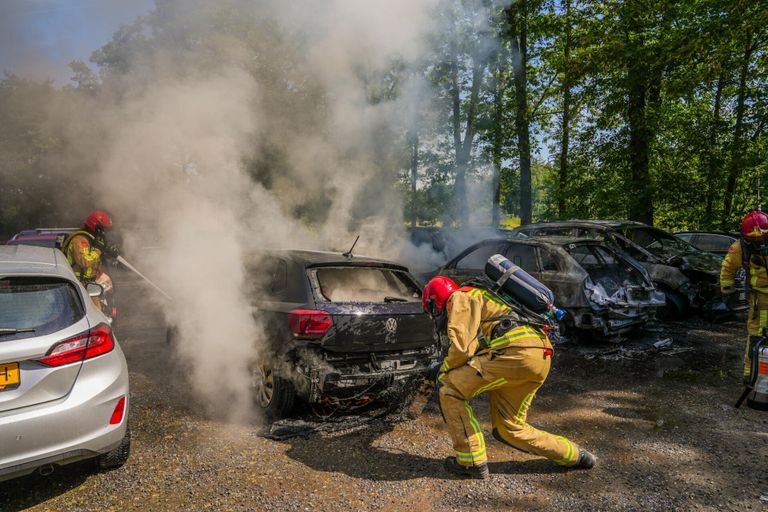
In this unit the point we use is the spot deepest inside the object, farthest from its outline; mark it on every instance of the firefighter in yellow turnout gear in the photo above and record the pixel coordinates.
(749, 253)
(84, 250)
(510, 368)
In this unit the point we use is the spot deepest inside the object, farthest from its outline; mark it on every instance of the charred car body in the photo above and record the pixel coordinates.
(343, 331)
(603, 292)
(688, 277)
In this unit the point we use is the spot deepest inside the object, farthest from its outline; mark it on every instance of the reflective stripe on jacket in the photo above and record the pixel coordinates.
(469, 310)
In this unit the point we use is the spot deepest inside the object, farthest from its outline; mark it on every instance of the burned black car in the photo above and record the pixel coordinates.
(343, 331)
(603, 293)
(688, 277)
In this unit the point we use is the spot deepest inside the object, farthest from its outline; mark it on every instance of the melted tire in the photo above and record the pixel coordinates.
(282, 399)
(117, 457)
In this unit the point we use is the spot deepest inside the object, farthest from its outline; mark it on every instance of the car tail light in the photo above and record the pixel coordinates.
(117, 414)
(93, 343)
(307, 323)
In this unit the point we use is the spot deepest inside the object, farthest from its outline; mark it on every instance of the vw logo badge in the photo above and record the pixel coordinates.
(391, 325)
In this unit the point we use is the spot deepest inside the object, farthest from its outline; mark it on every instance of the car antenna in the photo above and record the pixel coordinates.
(348, 254)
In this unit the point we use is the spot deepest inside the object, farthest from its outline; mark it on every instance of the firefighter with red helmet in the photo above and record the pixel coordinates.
(750, 253)
(85, 250)
(510, 368)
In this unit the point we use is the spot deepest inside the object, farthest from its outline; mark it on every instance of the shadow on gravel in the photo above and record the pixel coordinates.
(527, 467)
(28, 491)
(357, 455)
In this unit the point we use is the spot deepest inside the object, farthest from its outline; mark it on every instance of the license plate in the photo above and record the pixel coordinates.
(9, 376)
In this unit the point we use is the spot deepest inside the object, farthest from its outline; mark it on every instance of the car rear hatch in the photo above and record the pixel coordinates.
(374, 308)
(36, 313)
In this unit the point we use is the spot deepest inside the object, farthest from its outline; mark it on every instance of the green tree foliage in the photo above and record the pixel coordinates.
(643, 109)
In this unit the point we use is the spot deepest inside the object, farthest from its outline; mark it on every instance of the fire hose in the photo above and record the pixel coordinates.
(145, 278)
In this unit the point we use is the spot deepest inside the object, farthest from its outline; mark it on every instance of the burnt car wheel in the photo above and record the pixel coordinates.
(674, 306)
(273, 395)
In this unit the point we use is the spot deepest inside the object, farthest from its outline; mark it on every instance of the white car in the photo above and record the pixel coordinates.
(63, 377)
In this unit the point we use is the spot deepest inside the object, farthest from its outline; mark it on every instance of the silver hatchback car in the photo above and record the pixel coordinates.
(63, 377)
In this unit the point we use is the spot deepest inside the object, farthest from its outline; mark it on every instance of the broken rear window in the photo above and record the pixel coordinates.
(366, 284)
(604, 267)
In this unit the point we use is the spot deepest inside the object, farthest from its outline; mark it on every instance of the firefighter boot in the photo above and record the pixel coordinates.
(479, 472)
(586, 460)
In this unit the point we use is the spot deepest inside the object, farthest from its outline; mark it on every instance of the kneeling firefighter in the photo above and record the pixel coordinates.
(498, 346)
(86, 248)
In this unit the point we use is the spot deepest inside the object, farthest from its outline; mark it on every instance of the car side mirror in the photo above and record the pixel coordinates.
(94, 289)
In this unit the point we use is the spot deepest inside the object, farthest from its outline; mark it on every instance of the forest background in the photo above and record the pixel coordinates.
(649, 110)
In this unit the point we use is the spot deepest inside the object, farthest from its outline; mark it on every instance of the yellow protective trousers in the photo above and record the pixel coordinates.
(511, 376)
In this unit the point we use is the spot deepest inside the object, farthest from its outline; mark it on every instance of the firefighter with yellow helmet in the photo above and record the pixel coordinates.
(85, 250)
(510, 368)
(750, 253)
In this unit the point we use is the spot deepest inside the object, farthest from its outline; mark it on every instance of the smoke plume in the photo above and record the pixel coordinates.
(224, 128)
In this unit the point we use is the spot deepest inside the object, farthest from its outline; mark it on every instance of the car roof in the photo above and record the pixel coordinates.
(613, 224)
(32, 260)
(551, 241)
(34, 236)
(310, 258)
(724, 233)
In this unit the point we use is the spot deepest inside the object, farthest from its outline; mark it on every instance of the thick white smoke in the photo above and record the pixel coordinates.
(180, 134)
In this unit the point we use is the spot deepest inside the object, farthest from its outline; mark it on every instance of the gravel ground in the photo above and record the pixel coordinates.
(662, 424)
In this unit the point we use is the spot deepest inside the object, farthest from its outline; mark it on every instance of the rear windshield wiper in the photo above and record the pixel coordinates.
(11, 330)
(389, 298)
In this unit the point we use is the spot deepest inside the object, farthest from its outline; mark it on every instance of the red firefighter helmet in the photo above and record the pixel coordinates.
(436, 293)
(98, 220)
(754, 227)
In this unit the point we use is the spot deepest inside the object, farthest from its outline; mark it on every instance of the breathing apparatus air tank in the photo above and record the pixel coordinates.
(758, 394)
(521, 286)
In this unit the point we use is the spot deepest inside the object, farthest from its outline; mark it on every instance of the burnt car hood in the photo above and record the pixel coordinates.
(704, 262)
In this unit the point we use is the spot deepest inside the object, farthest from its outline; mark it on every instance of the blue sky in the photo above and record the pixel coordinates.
(39, 37)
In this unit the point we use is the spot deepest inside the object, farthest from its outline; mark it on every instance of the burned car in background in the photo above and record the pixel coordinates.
(604, 293)
(447, 242)
(343, 331)
(714, 242)
(688, 277)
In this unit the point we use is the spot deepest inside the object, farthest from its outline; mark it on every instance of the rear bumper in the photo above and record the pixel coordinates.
(320, 374)
(71, 428)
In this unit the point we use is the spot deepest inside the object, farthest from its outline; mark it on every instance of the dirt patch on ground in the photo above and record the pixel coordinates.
(661, 422)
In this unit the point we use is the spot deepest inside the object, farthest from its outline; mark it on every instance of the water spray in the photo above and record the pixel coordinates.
(145, 278)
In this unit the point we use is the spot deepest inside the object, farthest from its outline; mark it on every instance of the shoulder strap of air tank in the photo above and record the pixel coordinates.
(67, 241)
(745, 255)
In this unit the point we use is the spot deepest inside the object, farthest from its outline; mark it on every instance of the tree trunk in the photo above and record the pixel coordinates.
(414, 174)
(497, 143)
(713, 163)
(639, 86)
(459, 188)
(518, 33)
(738, 134)
(565, 120)
(498, 105)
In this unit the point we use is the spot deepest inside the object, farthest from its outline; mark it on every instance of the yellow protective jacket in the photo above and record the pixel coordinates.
(734, 260)
(82, 255)
(757, 282)
(473, 313)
